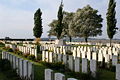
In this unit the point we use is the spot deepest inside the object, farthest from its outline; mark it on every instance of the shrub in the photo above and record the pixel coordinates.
(31, 57)
(55, 66)
(10, 50)
(69, 52)
(26, 55)
(46, 50)
(39, 57)
(18, 52)
(16, 49)
(2, 44)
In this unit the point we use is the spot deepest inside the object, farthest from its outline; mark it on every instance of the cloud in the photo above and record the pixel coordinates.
(16, 17)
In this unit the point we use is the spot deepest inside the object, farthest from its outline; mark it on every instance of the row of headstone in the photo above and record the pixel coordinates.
(50, 75)
(28, 50)
(24, 49)
(70, 62)
(86, 52)
(24, 68)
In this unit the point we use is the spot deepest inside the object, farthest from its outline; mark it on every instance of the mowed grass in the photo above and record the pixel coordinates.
(39, 71)
(106, 75)
(3, 77)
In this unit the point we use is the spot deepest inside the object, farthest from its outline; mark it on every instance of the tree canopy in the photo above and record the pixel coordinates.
(87, 23)
(84, 22)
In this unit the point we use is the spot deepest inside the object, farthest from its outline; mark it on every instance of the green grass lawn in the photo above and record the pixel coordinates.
(3, 77)
(106, 75)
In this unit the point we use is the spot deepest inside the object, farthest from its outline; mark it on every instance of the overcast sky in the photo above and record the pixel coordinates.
(16, 16)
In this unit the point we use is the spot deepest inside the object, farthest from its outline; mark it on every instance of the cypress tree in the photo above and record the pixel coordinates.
(37, 30)
(59, 26)
(111, 21)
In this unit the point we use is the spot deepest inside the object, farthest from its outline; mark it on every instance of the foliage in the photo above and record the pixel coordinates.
(111, 21)
(55, 66)
(67, 20)
(59, 26)
(26, 55)
(87, 23)
(37, 30)
(69, 52)
(18, 52)
(66, 23)
(10, 50)
(39, 57)
(31, 57)
(2, 44)
(52, 26)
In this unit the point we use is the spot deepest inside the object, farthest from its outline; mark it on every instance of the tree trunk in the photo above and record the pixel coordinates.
(86, 40)
(37, 40)
(70, 38)
(110, 42)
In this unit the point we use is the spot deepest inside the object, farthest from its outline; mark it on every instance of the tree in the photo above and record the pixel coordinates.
(52, 26)
(38, 30)
(59, 26)
(87, 23)
(66, 23)
(111, 21)
(67, 20)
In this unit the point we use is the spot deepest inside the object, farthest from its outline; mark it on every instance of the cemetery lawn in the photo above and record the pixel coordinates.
(3, 77)
(106, 75)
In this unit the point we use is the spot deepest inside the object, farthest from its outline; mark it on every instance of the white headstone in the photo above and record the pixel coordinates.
(30, 71)
(21, 67)
(88, 55)
(43, 55)
(74, 53)
(71, 62)
(59, 76)
(118, 72)
(25, 66)
(84, 65)
(71, 79)
(47, 56)
(14, 62)
(77, 64)
(65, 59)
(93, 67)
(94, 56)
(48, 74)
(17, 66)
(114, 60)
(100, 57)
(51, 57)
(59, 57)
